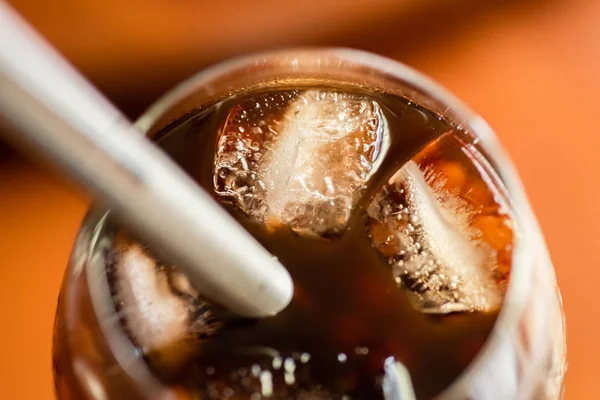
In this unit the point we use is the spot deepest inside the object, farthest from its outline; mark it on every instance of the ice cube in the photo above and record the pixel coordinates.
(159, 308)
(430, 233)
(299, 158)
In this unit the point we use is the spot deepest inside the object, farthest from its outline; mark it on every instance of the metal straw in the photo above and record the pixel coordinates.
(64, 118)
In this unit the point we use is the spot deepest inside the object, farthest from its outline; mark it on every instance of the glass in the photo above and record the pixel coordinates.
(524, 356)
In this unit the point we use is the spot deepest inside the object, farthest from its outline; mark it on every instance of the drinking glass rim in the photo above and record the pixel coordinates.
(527, 233)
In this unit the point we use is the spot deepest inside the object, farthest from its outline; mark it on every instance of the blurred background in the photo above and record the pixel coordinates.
(530, 67)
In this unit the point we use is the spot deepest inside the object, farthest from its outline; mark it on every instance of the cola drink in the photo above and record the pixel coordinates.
(396, 231)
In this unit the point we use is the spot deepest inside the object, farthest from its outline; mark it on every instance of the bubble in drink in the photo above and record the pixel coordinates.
(433, 222)
(261, 381)
(299, 158)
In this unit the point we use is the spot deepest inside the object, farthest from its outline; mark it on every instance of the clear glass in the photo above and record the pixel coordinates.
(524, 357)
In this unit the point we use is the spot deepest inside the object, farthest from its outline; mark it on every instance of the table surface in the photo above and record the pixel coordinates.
(531, 68)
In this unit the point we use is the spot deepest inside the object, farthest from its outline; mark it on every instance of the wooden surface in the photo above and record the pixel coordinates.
(531, 68)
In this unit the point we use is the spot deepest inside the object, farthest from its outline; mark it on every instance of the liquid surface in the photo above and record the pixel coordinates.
(397, 240)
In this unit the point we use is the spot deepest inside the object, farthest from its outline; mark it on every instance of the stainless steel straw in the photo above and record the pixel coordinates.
(64, 118)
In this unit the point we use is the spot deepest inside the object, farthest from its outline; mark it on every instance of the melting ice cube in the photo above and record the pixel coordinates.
(299, 158)
(436, 239)
(157, 305)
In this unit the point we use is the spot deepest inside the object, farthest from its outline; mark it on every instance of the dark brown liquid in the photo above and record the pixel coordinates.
(348, 314)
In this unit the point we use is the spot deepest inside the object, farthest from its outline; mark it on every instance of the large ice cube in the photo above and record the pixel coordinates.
(435, 237)
(299, 158)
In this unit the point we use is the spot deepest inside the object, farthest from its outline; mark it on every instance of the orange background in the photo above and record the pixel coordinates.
(531, 68)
